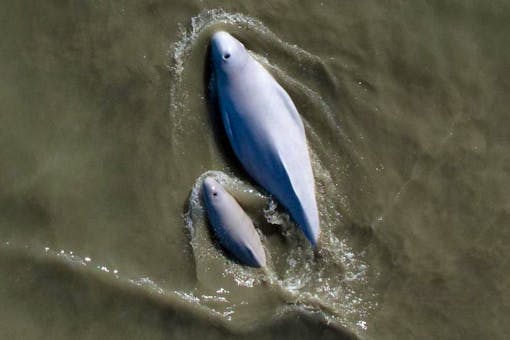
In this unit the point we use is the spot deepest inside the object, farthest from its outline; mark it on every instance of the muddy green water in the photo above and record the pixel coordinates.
(107, 124)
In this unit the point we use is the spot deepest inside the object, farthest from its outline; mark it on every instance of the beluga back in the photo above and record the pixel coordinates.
(265, 130)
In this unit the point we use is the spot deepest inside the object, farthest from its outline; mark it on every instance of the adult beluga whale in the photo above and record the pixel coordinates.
(265, 130)
(233, 228)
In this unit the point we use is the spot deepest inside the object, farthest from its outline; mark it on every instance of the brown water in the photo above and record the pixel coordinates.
(108, 123)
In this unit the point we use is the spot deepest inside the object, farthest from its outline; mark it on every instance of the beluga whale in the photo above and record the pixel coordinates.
(232, 226)
(265, 130)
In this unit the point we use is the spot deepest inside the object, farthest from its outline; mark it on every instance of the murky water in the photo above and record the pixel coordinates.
(108, 124)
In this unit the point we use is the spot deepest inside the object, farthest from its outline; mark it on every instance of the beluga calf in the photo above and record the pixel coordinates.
(265, 130)
(232, 227)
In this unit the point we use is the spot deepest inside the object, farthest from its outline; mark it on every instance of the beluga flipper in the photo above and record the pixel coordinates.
(232, 226)
(265, 130)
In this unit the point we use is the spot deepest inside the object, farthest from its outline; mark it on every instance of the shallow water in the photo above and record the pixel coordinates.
(108, 123)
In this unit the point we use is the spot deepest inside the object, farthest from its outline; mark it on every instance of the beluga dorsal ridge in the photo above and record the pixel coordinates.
(265, 130)
(232, 226)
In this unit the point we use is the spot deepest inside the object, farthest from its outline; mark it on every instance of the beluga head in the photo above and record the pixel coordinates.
(228, 54)
(213, 191)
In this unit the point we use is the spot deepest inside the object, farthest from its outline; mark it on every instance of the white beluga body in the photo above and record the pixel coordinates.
(232, 227)
(265, 130)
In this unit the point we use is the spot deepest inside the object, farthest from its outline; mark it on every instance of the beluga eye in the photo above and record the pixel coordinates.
(215, 194)
(226, 56)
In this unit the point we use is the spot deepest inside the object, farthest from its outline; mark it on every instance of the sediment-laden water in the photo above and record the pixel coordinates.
(109, 123)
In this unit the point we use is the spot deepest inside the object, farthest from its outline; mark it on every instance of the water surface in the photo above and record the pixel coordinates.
(108, 123)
